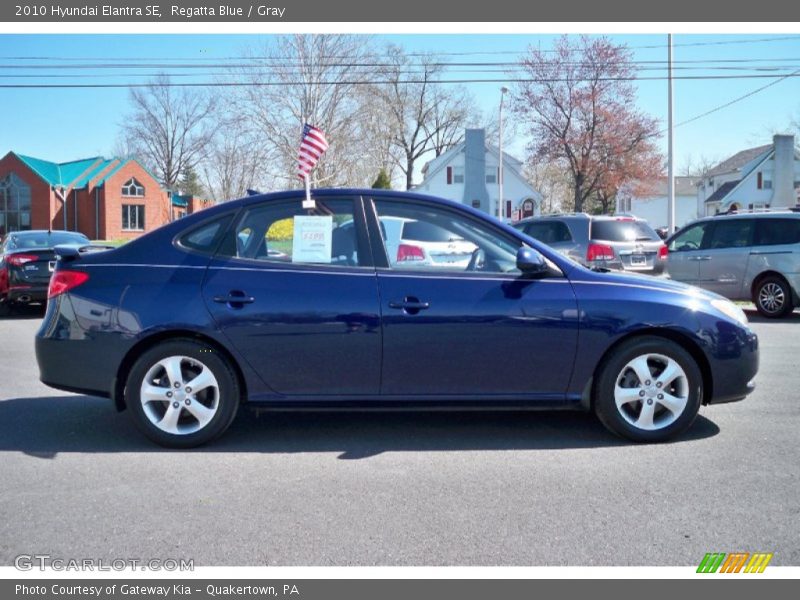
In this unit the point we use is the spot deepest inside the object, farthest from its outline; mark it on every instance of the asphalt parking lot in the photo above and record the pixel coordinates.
(78, 481)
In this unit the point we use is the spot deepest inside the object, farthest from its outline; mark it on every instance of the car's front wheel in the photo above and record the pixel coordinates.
(773, 297)
(182, 393)
(648, 390)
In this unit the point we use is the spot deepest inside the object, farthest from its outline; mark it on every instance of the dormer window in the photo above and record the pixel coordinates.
(132, 188)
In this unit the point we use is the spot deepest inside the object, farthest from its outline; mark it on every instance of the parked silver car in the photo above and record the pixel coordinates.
(746, 256)
(601, 241)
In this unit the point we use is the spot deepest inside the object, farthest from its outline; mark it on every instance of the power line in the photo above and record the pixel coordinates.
(356, 82)
(433, 53)
(739, 99)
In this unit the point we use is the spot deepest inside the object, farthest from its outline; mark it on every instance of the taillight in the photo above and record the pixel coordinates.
(407, 252)
(20, 259)
(662, 252)
(599, 252)
(63, 281)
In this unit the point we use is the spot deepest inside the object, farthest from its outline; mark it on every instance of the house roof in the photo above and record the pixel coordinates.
(738, 160)
(684, 186)
(76, 173)
(722, 191)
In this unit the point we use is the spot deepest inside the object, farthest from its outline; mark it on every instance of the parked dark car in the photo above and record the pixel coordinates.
(26, 262)
(622, 243)
(187, 322)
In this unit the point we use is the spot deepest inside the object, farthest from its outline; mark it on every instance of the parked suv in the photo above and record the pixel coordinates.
(750, 256)
(620, 243)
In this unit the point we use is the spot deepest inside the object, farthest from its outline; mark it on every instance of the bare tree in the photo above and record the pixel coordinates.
(169, 128)
(578, 104)
(554, 183)
(454, 110)
(423, 116)
(236, 161)
(310, 79)
(697, 166)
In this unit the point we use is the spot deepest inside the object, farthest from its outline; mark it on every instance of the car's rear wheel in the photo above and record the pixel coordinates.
(773, 297)
(648, 390)
(182, 393)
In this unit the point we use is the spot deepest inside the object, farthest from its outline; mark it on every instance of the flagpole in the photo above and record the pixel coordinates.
(308, 202)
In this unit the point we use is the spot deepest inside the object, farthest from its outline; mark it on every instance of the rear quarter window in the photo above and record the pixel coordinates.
(550, 232)
(776, 232)
(206, 237)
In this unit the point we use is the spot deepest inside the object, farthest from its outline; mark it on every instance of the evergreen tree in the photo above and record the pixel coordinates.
(382, 182)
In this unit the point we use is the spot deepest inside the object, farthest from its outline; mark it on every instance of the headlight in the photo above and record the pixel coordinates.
(729, 309)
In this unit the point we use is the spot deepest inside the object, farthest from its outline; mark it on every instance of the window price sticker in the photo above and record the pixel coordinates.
(312, 239)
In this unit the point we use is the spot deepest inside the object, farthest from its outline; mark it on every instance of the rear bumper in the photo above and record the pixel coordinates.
(74, 359)
(24, 294)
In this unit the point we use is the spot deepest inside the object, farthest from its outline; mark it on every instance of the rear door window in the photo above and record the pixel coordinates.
(776, 232)
(623, 231)
(548, 232)
(733, 233)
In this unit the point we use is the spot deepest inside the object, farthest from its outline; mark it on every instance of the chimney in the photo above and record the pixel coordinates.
(783, 192)
(475, 169)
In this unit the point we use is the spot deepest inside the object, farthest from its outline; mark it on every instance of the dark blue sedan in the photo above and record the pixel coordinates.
(265, 302)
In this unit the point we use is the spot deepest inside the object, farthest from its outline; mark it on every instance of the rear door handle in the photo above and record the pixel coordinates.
(235, 298)
(410, 305)
(699, 258)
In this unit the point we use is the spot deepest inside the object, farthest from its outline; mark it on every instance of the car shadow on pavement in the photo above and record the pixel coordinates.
(754, 317)
(45, 426)
(20, 313)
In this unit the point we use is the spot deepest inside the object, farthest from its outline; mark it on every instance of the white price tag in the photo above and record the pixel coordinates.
(312, 239)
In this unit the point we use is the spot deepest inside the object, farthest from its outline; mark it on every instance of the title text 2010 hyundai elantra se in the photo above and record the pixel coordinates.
(261, 301)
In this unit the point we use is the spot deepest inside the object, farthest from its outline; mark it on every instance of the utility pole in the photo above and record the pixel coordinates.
(670, 157)
(503, 91)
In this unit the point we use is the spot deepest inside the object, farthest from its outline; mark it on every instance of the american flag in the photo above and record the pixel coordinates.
(312, 146)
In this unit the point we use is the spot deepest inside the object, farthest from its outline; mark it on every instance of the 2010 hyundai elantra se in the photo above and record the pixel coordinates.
(262, 301)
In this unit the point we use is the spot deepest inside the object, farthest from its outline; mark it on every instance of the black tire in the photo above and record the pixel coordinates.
(773, 297)
(615, 368)
(5, 308)
(192, 356)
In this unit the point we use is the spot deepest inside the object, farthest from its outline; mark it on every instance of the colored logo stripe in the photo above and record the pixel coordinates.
(734, 562)
(758, 563)
(711, 562)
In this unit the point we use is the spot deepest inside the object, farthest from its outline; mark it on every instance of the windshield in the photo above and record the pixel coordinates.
(45, 239)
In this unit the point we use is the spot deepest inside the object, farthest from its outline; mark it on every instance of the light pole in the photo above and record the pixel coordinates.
(503, 91)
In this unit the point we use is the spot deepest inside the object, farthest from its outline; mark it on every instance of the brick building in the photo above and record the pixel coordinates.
(103, 198)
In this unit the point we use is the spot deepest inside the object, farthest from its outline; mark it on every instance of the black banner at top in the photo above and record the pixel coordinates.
(293, 11)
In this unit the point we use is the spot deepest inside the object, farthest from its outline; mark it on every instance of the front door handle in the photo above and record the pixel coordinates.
(410, 305)
(235, 299)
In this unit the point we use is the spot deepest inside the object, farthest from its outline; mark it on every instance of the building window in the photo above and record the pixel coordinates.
(767, 184)
(458, 174)
(491, 175)
(476, 204)
(133, 217)
(15, 204)
(133, 188)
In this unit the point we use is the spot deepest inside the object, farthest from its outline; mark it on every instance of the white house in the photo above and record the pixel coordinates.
(761, 177)
(653, 206)
(468, 173)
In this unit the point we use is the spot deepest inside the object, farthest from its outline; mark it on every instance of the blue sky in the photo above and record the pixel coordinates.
(73, 123)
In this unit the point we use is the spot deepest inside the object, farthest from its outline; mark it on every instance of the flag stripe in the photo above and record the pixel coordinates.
(312, 146)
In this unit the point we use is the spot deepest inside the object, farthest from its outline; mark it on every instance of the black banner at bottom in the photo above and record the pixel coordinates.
(384, 589)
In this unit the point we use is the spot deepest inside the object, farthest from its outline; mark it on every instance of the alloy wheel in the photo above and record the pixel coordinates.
(180, 395)
(651, 391)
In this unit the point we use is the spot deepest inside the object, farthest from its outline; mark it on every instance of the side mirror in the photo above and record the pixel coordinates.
(530, 262)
